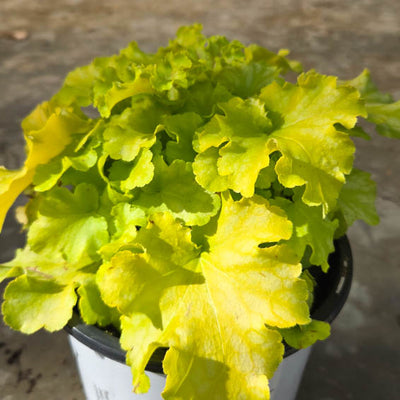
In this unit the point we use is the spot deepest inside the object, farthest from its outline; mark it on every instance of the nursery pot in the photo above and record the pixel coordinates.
(105, 376)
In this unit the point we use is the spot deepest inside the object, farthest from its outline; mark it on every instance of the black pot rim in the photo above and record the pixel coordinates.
(330, 296)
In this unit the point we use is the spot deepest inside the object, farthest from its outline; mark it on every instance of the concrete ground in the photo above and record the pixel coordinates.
(41, 40)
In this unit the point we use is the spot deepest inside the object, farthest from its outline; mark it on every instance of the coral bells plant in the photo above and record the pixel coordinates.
(180, 198)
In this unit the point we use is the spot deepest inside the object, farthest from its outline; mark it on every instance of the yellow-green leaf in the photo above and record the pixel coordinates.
(48, 130)
(212, 315)
(31, 304)
(304, 117)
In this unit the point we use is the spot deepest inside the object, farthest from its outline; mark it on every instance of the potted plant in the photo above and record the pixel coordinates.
(179, 200)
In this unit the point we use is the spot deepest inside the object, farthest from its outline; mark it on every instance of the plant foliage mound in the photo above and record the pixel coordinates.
(181, 197)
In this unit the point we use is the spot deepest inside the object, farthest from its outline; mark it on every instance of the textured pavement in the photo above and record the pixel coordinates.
(41, 40)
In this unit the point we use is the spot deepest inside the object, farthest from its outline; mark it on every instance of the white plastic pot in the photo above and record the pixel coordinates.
(105, 376)
(107, 379)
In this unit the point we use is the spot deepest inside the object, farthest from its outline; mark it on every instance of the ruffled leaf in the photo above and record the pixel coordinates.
(48, 266)
(68, 224)
(126, 176)
(303, 336)
(311, 228)
(132, 130)
(9, 272)
(357, 200)
(164, 245)
(386, 117)
(48, 130)
(236, 288)
(256, 53)
(243, 150)
(31, 304)
(304, 118)
(382, 110)
(77, 87)
(247, 80)
(92, 308)
(368, 90)
(182, 127)
(175, 190)
(12, 184)
(121, 91)
(203, 97)
(123, 228)
(47, 176)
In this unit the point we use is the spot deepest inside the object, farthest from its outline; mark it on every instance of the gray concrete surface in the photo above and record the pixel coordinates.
(41, 40)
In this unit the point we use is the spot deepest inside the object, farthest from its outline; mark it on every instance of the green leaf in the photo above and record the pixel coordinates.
(302, 336)
(205, 168)
(48, 266)
(182, 127)
(119, 77)
(161, 246)
(92, 308)
(172, 73)
(48, 130)
(31, 304)
(203, 97)
(135, 128)
(243, 150)
(357, 131)
(386, 117)
(68, 223)
(382, 110)
(121, 91)
(215, 325)
(357, 200)
(311, 283)
(311, 228)
(266, 176)
(77, 87)
(253, 221)
(46, 176)
(125, 219)
(9, 272)
(304, 118)
(368, 90)
(256, 53)
(175, 190)
(247, 80)
(137, 173)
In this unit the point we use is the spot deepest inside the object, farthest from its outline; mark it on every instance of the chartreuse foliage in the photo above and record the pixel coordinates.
(187, 212)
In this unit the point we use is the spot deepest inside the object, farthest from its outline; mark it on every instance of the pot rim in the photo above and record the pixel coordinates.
(330, 295)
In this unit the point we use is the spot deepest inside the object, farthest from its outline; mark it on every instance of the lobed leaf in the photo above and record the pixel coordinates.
(303, 336)
(174, 189)
(68, 224)
(382, 110)
(310, 228)
(357, 200)
(304, 118)
(31, 304)
(92, 308)
(213, 315)
(48, 130)
(235, 147)
(133, 129)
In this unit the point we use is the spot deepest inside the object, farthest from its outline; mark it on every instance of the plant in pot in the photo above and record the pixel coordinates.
(183, 200)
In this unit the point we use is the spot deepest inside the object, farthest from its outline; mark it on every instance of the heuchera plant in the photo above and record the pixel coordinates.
(186, 212)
